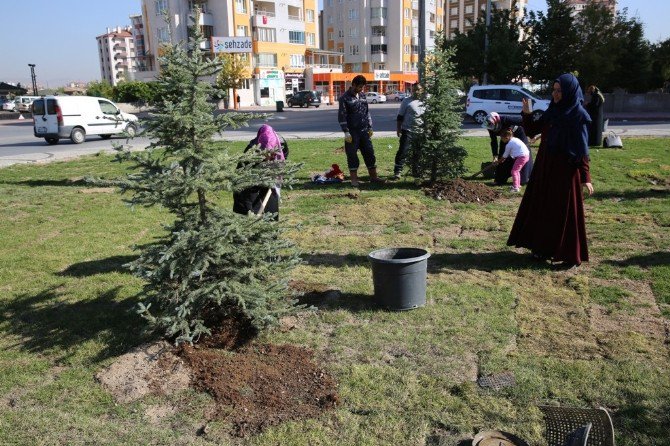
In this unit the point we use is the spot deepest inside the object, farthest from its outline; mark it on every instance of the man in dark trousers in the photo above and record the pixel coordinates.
(409, 115)
(495, 124)
(356, 123)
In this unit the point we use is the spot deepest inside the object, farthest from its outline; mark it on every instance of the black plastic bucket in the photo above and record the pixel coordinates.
(399, 277)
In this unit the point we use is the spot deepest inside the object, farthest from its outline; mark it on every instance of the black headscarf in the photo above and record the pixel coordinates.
(568, 121)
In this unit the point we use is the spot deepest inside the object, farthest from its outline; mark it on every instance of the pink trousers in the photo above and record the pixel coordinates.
(516, 169)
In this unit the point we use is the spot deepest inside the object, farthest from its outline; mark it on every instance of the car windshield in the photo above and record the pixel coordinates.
(531, 94)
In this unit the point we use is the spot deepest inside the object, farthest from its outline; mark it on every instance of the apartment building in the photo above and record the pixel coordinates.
(462, 15)
(578, 5)
(117, 54)
(281, 32)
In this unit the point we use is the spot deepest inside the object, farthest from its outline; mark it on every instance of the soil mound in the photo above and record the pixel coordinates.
(261, 385)
(461, 191)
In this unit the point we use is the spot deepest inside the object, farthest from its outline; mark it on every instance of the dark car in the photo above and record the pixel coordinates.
(304, 98)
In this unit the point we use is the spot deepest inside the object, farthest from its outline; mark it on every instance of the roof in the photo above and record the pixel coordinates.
(9, 88)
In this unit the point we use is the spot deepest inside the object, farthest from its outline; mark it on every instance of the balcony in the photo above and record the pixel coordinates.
(206, 45)
(296, 18)
(378, 57)
(377, 39)
(378, 21)
(206, 19)
(264, 19)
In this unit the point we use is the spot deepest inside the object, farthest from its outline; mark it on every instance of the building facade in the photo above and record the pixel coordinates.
(578, 5)
(462, 15)
(281, 33)
(116, 51)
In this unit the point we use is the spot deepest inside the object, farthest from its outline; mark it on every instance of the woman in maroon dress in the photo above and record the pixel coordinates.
(550, 221)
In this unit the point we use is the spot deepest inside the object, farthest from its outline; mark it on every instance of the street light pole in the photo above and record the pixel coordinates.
(422, 40)
(486, 42)
(34, 79)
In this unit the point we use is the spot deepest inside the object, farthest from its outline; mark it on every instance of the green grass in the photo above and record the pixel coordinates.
(596, 336)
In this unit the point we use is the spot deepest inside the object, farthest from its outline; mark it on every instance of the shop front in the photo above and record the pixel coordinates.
(294, 82)
(269, 87)
(381, 81)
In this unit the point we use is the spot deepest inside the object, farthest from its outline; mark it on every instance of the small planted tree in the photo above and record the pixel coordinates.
(210, 262)
(435, 149)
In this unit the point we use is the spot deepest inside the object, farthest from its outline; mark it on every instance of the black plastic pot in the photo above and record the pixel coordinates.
(399, 277)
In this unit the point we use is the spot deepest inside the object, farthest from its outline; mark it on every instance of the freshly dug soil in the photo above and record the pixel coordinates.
(261, 385)
(461, 191)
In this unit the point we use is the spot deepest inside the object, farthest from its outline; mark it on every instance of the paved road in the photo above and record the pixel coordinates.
(18, 145)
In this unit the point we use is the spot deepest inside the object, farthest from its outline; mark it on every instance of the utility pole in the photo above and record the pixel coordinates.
(486, 42)
(32, 76)
(422, 40)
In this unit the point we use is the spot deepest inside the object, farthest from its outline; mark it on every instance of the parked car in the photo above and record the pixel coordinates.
(23, 103)
(8, 104)
(304, 98)
(396, 96)
(74, 117)
(503, 99)
(374, 97)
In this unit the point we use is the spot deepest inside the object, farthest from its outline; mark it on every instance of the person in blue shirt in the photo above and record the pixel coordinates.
(356, 123)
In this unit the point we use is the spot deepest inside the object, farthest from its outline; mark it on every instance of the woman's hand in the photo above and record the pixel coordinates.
(527, 106)
(589, 187)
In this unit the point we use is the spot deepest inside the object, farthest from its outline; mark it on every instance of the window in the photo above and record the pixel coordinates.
(331, 35)
(311, 39)
(107, 107)
(163, 35)
(266, 60)
(241, 6)
(193, 3)
(379, 31)
(469, 9)
(513, 95)
(296, 37)
(376, 13)
(298, 60)
(406, 49)
(266, 34)
(310, 15)
(378, 49)
(407, 13)
(353, 50)
(353, 32)
(454, 11)
(408, 31)
(353, 14)
(161, 7)
(265, 92)
(242, 31)
(491, 94)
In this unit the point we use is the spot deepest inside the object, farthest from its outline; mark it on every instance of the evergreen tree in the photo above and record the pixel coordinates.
(595, 27)
(435, 149)
(210, 262)
(632, 54)
(553, 43)
(661, 66)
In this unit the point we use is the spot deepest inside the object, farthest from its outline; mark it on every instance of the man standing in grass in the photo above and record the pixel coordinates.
(354, 118)
(409, 115)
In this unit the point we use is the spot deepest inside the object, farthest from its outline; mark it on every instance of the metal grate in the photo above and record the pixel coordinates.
(497, 381)
(564, 423)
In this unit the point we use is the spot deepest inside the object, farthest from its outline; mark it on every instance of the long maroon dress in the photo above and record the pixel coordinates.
(550, 221)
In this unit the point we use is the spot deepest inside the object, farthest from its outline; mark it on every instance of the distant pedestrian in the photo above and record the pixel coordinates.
(550, 221)
(356, 123)
(518, 152)
(409, 116)
(238, 101)
(595, 109)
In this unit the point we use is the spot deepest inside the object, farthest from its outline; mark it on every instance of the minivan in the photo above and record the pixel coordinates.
(74, 117)
(503, 99)
(23, 103)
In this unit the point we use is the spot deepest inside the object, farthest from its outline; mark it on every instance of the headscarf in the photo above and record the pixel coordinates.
(492, 122)
(268, 139)
(567, 119)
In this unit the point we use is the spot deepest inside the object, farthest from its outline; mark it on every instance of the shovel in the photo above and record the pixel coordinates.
(485, 169)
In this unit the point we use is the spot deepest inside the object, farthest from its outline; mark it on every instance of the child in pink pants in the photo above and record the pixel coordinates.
(516, 149)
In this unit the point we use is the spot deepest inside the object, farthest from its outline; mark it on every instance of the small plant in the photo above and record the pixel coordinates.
(435, 147)
(211, 263)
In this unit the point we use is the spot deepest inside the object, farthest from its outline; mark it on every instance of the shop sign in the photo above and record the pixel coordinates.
(232, 44)
(382, 75)
(271, 74)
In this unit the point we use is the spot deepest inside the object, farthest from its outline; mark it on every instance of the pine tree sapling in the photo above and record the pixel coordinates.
(210, 262)
(435, 149)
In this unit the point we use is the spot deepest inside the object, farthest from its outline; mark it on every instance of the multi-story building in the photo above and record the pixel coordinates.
(117, 54)
(144, 65)
(281, 32)
(462, 15)
(578, 5)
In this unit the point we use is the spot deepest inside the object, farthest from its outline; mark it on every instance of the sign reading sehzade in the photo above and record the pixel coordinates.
(232, 44)
(382, 75)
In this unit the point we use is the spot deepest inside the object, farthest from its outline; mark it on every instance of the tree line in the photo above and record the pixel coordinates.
(602, 48)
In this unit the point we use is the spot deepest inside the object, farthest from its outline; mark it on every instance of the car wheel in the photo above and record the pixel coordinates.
(105, 136)
(131, 130)
(51, 141)
(374, 101)
(78, 135)
(479, 116)
(537, 114)
(290, 104)
(316, 106)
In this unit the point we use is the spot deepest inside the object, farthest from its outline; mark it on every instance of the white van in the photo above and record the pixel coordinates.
(74, 117)
(23, 103)
(502, 99)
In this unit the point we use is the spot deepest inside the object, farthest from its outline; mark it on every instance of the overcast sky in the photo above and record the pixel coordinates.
(58, 36)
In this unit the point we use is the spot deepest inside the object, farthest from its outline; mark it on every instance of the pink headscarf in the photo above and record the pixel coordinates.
(267, 138)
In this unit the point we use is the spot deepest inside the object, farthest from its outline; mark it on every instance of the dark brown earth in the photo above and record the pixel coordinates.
(461, 191)
(258, 385)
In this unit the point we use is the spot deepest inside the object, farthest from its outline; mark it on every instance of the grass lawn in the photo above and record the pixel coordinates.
(599, 335)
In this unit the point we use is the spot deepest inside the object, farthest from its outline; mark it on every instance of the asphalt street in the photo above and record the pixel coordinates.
(19, 145)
